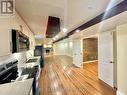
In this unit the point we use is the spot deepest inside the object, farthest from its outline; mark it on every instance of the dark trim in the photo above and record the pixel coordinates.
(121, 7)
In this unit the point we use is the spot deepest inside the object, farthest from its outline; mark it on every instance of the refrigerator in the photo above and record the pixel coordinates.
(39, 51)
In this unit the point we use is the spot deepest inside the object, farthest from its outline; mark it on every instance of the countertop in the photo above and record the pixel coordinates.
(23, 84)
(29, 69)
(17, 88)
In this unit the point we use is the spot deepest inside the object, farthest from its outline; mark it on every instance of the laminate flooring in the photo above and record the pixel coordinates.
(61, 77)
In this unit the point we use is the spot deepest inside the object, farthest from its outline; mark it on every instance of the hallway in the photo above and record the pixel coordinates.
(61, 77)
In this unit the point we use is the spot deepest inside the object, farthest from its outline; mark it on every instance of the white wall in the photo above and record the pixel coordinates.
(64, 47)
(122, 59)
(6, 24)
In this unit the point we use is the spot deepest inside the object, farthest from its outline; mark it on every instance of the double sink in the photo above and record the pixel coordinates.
(32, 60)
(30, 70)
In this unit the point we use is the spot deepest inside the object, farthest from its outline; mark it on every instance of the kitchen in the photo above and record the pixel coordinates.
(57, 30)
(20, 65)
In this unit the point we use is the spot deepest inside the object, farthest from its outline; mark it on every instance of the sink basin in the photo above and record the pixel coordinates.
(32, 60)
(23, 77)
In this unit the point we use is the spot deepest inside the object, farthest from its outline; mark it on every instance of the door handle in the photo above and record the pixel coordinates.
(111, 62)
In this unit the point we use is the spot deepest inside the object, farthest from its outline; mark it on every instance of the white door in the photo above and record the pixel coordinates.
(105, 54)
(77, 52)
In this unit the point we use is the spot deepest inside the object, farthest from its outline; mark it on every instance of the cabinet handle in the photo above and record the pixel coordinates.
(10, 46)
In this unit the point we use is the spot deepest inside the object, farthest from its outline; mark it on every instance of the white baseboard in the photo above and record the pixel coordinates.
(120, 93)
(69, 56)
(63, 55)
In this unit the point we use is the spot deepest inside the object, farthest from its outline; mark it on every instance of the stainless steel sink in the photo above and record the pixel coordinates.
(32, 60)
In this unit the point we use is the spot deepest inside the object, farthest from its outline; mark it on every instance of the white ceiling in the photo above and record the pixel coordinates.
(72, 13)
(36, 12)
(81, 11)
(105, 26)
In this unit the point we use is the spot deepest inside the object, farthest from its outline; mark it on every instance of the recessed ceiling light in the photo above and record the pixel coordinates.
(54, 38)
(64, 30)
(57, 36)
(77, 30)
(38, 37)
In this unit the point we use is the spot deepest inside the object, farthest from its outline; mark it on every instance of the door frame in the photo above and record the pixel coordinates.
(115, 57)
(93, 36)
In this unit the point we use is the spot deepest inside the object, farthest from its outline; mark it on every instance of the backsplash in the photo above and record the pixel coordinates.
(7, 23)
(21, 57)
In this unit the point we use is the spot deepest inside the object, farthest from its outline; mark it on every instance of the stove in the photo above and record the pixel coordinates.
(8, 72)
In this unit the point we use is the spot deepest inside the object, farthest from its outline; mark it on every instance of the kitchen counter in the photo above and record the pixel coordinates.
(29, 68)
(30, 64)
(17, 88)
(19, 82)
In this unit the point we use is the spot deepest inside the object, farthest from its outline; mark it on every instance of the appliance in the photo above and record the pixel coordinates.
(39, 51)
(8, 72)
(20, 42)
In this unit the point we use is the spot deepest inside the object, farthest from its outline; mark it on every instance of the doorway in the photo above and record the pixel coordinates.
(90, 49)
(99, 56)
(90, 55)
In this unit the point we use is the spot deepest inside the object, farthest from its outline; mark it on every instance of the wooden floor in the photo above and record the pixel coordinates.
(60, 77)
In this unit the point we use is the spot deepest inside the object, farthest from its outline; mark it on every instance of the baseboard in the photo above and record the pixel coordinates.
(90, 61)
(109, 86)
(78, 66)
(120, 93)
(69, 56)
(63, 55)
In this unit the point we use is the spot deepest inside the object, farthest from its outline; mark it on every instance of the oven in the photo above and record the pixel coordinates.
(8, 72)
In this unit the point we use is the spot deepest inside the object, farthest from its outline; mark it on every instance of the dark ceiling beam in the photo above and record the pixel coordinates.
(121, 7)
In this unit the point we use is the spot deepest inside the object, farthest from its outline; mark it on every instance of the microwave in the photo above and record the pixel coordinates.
(20, 42)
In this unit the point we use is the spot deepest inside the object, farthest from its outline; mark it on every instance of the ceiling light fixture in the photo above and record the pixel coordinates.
(77, 30)
(39, 37)
(64, 30)
(54, 38)
(57, 36)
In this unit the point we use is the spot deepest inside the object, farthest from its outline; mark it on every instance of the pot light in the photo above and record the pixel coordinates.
(57, 36)
(77, 30)
(54, 38)
(64, 30)
(39, 37)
